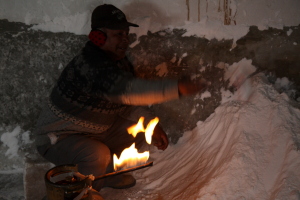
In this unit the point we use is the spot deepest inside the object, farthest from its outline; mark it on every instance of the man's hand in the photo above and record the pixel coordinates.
(159, 138)
(186, 86)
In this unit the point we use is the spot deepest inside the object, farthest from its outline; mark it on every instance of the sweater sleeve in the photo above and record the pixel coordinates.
(122, 87)
(143, 92)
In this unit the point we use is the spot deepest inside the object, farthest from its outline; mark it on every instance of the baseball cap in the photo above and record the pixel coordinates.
(108, 16)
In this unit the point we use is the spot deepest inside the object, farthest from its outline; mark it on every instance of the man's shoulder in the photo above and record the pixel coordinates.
(94, 56)
(93, 51)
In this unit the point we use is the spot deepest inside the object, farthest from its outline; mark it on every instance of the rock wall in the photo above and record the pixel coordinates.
(31, 61)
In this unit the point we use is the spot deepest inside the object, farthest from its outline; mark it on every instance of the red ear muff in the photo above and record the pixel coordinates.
(98, 37)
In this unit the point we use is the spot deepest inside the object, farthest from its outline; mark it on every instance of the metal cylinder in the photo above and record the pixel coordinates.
(64, 190)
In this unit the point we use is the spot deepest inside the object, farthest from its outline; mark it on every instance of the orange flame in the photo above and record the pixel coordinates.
(149, 130)
(135, 129)
(130, 156)
(139, 127)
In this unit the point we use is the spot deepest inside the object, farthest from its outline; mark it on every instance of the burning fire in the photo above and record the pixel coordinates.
(135, 129)
(139, 127)
(130, 156)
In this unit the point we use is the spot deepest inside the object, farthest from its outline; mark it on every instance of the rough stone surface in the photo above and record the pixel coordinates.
(29, 65)
(34, 173)
(31, 61)
(10, 187)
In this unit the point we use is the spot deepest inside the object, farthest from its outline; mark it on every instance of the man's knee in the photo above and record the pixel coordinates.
(95, 152)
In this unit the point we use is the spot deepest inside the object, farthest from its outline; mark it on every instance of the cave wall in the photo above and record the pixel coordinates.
(31, 61)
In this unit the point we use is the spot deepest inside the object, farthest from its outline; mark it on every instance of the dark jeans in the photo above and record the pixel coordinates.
(92, 153)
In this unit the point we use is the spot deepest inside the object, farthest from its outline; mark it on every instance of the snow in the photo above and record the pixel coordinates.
(215, 29)
(10, 140)
(154, 15)
(246, 149)
(238, 72)
(205, 94)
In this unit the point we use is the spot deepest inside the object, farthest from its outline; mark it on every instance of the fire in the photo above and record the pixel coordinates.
(135, 129)
(149, 130)
(139, 127)
(130, 156)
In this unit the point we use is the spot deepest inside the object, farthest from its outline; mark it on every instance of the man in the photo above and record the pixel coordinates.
(96, 99)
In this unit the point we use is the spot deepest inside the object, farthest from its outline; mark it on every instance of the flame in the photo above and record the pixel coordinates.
(130, 158)
(139, 127)
(135, 129)
(150, 128)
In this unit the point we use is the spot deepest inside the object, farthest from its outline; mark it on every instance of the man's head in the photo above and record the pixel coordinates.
(115, 26)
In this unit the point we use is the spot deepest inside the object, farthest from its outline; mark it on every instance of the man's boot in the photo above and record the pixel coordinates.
(121, 181)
